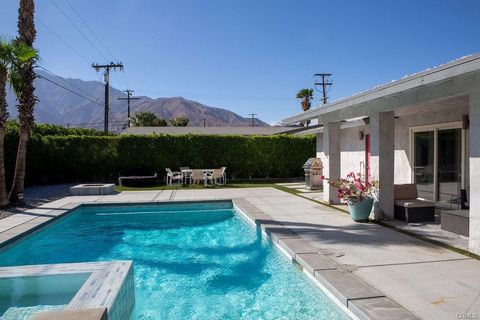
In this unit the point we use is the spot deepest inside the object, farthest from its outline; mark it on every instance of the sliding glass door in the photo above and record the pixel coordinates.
(449, 166)
(437, 161)
(424, 164)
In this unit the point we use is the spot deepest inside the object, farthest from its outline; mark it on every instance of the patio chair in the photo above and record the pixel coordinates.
(409, 208)
(173, 176)
(215, 177)
(197, 176)
(224, 174)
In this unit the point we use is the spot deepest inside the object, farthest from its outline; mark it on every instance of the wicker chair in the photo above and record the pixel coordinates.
(409, 208)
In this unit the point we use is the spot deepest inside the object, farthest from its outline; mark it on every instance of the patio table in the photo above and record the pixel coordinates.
(184, 173)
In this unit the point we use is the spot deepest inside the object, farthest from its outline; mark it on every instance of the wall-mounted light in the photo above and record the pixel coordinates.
(361, 134)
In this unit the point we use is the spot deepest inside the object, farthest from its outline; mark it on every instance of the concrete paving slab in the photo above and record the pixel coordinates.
(377, 247)
(379, 308)
(438, 290)
(346, 286)
(296, 246)
(312, 262)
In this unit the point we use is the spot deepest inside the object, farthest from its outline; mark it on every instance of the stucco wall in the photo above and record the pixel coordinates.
(353, 149)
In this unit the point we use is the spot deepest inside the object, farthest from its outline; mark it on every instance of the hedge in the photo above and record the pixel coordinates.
(53, 159)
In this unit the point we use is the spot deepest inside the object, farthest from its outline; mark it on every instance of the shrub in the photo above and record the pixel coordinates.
(73, 158)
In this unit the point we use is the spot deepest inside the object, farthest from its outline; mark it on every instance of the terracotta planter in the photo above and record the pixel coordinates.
(360, 210)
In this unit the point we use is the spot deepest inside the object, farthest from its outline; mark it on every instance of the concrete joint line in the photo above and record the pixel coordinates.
(413, 263)
(158, 195)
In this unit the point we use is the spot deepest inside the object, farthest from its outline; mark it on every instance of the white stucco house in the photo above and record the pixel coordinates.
(422, 129)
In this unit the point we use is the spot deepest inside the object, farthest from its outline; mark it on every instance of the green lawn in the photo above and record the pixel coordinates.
(228, 185)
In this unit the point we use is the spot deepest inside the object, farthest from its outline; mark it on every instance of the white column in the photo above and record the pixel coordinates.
(382, 159)
(474, 200)
(330, 156)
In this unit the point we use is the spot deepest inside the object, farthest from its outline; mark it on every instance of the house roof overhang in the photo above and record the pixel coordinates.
(455, 78)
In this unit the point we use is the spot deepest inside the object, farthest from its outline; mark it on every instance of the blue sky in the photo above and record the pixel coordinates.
(251, 55)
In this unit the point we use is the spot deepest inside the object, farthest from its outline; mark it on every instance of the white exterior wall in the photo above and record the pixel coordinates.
(353, 149)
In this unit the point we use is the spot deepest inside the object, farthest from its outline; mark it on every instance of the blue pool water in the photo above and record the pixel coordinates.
(21, 297)
(191, 261)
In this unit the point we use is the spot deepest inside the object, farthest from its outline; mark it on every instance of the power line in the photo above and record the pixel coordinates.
(128, 98)
(89, 29)
(106, 74)
(72, 85)
(63, 40)
(326, 84)
(253, 118)
(78, 29)
(74, 92)
(92, 32)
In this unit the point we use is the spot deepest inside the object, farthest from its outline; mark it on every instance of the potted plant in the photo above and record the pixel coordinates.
(358, 193)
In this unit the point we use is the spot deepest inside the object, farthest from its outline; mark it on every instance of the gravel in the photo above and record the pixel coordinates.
(38, 195)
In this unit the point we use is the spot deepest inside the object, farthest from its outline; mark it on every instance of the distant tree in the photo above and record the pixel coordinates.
(306, 96)
(147, 119)
(179, 122)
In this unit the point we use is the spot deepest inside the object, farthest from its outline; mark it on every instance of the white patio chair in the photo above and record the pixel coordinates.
(173, 176)
(215, 177)
(224, 174)
(197, 176)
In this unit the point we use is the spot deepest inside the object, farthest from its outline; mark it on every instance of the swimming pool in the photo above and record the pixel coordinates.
(192, 261)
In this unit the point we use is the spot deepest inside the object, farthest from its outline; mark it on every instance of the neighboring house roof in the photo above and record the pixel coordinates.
(444, 72)
(212, 130)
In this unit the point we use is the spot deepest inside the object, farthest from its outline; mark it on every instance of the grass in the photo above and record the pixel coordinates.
(194, 187)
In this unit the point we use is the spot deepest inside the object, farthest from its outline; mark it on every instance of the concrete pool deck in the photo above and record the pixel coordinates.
(376, 272)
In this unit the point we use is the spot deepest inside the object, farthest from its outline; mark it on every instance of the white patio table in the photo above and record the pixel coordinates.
(185, 173)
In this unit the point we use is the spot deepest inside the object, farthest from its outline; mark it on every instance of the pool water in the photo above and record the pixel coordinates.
(21, 297)
(191, 261)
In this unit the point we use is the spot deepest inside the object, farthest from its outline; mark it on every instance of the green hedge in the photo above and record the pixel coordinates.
(44, 129)
(100, 158)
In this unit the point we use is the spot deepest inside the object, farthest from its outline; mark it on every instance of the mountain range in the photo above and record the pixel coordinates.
(58, 105)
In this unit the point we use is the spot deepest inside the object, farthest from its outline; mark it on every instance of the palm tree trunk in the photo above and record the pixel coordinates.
(3, 185)
(3, 118)
(20, 164)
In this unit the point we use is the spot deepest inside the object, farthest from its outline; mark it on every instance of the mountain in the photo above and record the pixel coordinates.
(57, 105)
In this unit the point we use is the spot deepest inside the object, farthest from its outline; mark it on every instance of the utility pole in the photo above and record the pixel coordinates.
(253, 118)
(324, 82)
(106, 75)
(128, 98)
(204, 123)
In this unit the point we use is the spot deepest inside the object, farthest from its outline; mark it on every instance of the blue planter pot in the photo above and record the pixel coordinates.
(360, 210)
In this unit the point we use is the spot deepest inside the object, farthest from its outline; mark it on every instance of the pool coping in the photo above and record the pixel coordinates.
(357, 298)
(106, 282)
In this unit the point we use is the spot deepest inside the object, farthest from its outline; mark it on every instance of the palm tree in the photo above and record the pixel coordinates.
(5, 55)
(12, 57)
(25, 94)
(306, 95)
